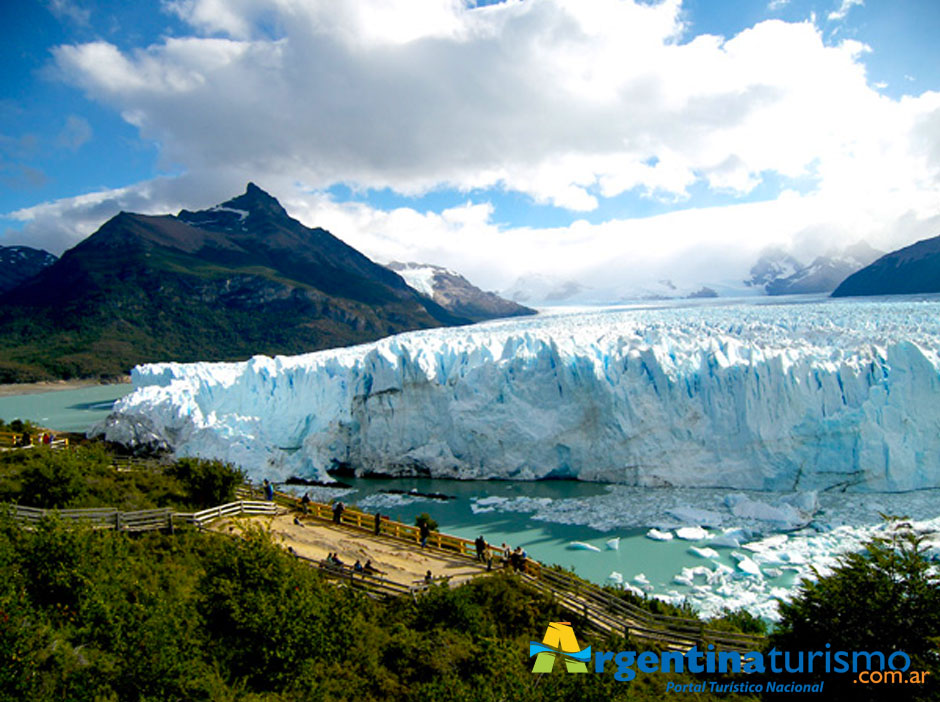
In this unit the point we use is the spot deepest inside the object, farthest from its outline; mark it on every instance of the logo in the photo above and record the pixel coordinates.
(559, 641)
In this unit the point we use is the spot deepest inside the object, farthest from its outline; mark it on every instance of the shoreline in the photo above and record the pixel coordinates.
(8, 389)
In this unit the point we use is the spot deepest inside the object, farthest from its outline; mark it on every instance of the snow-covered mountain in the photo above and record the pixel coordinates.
(781, 397)
(18, 263)
(779, 273)
(455, 293)
(538, 289)
(552, 291)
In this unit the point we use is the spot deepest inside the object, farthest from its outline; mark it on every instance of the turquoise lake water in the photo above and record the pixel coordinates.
(65, 410)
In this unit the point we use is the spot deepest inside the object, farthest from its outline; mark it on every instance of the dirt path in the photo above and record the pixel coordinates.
(401, 561)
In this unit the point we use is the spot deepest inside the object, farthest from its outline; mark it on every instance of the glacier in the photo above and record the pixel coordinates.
(803, 396)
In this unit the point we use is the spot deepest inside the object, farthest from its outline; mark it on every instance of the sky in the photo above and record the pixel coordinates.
(615, 143)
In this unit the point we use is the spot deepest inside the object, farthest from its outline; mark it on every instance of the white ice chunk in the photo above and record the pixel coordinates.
(581, 546)
(704, 552)
(693, 533)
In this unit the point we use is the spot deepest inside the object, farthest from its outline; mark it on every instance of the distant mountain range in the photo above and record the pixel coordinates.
(913, 269)
(456, 294)
(779, 273)
(238, 279)
(20, 263)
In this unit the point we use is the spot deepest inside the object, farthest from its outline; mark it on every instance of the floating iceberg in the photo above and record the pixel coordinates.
(692, 533)
(764, 397)
(704, 552)
(614, 543)
(657, 535)
(581, 546)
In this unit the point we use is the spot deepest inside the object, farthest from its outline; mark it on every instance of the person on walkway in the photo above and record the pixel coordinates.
(378, 523)
(338, 508)
(480, 544)
(424, 531)
(305, 503)
(268, 490)
(428, 577)
(369, 568)
(358, 566)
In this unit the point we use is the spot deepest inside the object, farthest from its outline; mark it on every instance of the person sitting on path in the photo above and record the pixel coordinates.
(428, 577)
(369, 568)
(358, 566)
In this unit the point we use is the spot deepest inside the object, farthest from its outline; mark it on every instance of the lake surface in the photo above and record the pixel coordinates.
(65, 410)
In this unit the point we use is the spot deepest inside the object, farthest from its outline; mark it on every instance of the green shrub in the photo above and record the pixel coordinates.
(885, 598)
(425, 518)
(206, 482)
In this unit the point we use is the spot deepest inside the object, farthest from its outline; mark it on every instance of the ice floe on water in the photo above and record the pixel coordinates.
(755, 547)
(581, 546)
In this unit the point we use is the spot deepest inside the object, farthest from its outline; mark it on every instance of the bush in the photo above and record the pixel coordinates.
(425, 518)
(885, 598)
(53, 479)
(207, 483)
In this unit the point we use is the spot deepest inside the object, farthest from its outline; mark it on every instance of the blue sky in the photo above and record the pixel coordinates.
(548, 137)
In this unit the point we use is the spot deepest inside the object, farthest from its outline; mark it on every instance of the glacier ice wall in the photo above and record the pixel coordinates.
(800, 396)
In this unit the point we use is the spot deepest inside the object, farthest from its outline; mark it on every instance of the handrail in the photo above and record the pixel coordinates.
(140, 520)
(620, 614)
(12, 440)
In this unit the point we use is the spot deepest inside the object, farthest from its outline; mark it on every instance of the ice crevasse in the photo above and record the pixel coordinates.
(776, 397)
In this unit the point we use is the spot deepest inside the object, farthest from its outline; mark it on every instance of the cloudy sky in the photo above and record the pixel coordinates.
(613, 142)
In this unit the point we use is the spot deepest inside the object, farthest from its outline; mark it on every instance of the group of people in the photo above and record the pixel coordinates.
(367, 568)
(44, 439)
(333, 559)
(514, 558)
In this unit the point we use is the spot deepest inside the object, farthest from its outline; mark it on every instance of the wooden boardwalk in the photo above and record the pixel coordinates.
(602, 610)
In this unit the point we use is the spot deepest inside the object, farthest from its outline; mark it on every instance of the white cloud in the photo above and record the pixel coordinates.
(843, 9)
(69, 10)
(556, 99)
(565, 101)
(775, 5)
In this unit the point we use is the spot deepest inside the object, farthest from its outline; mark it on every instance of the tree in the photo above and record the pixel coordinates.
(885, 598)
(208, 483)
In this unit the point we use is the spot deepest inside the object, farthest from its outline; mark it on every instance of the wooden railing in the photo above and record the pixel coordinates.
(232, 509)
(611, 613)
(13, 440)
(605, 611)
(140, 520)
(102, 518)
(365, 521)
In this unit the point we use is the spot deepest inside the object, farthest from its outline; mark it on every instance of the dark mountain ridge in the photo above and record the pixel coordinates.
(238, 279)
(20, 263)
(912, 269)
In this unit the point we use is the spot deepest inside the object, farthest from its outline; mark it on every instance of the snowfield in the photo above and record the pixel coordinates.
(750, 396)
